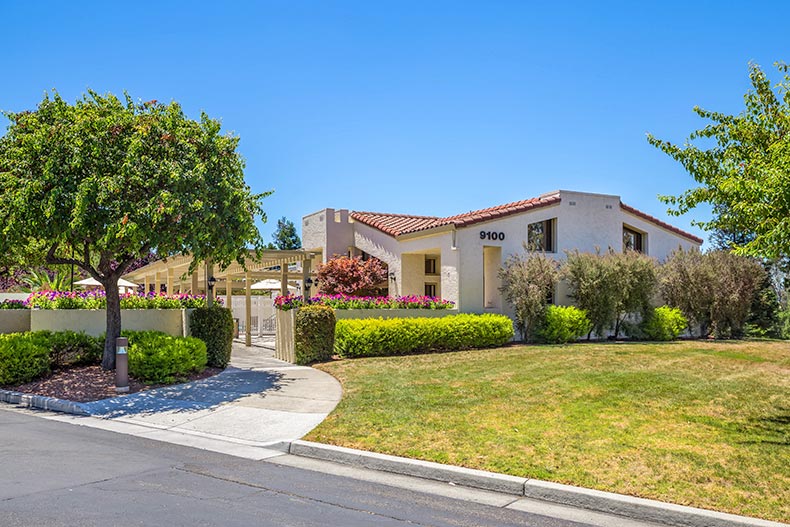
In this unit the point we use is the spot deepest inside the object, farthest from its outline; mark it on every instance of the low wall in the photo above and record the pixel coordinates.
(284, 336)
(14, 296)
(393, 313)
(14, 320)
(94, 321)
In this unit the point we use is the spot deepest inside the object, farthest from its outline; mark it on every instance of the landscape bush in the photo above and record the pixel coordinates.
(664, 323)
(398, 336)
(214, 326)
(23, 358)
(69, 348)
(13, 304)
(563, 324)
(158, 358)
(314, 334)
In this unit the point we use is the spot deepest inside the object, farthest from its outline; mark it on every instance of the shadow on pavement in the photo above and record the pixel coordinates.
(230, 385)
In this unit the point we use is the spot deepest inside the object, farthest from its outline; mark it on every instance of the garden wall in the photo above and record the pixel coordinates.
(393, 313)
(94, 322)
(14, 320)
(284, 337)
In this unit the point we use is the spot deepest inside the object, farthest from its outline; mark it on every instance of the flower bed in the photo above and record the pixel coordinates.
(288, 302)
(13, 304)
(96, 300)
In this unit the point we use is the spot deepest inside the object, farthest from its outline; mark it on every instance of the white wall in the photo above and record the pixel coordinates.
(587, 222)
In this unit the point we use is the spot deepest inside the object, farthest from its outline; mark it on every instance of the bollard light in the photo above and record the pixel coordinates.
(121, 365)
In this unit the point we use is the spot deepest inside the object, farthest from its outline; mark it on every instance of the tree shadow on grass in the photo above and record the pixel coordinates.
(230, 385)
(771, 429)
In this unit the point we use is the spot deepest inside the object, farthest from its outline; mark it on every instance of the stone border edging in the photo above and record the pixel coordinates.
(42, 402)
(607, 502)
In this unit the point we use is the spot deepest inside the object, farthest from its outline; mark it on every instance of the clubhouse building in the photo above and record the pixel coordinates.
(458, 257)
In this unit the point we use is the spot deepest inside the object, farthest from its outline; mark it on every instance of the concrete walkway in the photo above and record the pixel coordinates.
(258, 401)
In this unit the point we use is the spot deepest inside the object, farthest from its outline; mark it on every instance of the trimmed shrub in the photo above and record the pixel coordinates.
(214, 326)
(399, 336)
(22, 358)
(563, 324)
(314, 334)
(159, 358)
(69, 348)
(664, 323)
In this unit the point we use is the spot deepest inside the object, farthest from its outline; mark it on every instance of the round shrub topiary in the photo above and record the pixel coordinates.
(563, 324)
(214, 326)
(156, 357)
(664, 323)
(314, 334)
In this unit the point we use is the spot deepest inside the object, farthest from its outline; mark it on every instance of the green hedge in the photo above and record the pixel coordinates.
(398, 336)
(158, 358)
(664, 323)
(563, 324)
(214, 326)
(314, 334)
(69, 348)
(23, 357)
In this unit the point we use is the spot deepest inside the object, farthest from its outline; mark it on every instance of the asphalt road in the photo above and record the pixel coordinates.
(58, 474)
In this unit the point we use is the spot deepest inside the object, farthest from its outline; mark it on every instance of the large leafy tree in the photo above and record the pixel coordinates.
(104, 181)
(742, 165)
(285, 237)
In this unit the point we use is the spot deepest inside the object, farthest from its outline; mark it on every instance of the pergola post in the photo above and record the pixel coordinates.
(209, 290)
(170, 274)
(284, 279)
(147, 284)
(157, 283)
(195, 285)
(229, 292)
(248, 309)
(305, 276)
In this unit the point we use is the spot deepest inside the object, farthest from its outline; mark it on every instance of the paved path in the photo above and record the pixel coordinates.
(258, 401)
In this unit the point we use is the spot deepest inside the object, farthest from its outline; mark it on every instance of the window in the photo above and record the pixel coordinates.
(430, 289)
(430, 265)
(540, 236)
(632, 240)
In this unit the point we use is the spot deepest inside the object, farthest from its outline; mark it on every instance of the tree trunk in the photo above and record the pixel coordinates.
(113, 323)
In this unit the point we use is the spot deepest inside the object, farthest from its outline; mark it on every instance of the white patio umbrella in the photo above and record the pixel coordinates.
(269, 285)
(123, 284)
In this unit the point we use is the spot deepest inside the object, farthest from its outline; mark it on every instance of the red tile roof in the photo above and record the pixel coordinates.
(660, 223)
(400, 224)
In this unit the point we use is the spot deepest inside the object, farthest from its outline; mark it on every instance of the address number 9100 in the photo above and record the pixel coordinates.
(491, 235)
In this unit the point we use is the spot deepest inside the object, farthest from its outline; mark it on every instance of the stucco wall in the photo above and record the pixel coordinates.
(584, 222)
(14, 320)
(94, 322)
(328, 230)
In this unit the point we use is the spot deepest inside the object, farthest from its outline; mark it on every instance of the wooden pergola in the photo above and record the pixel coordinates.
(173, 273)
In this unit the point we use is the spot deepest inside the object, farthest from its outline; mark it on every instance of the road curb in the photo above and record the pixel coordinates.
(42, 402)
(607, 502)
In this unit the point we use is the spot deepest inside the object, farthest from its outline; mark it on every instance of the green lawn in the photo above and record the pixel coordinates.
(702, 423)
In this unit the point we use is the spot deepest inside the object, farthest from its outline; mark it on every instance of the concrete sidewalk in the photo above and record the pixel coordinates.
(257, 401)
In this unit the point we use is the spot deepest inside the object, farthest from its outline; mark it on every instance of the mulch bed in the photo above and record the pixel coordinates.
(90, 383)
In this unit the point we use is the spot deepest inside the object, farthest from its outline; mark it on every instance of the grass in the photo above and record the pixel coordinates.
(698, 423)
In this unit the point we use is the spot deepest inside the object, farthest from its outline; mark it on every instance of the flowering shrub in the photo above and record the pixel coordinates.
(96, 300)
(13, 304)
(364, 302)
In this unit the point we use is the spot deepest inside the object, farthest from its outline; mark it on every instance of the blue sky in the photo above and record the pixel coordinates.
(429, 108)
